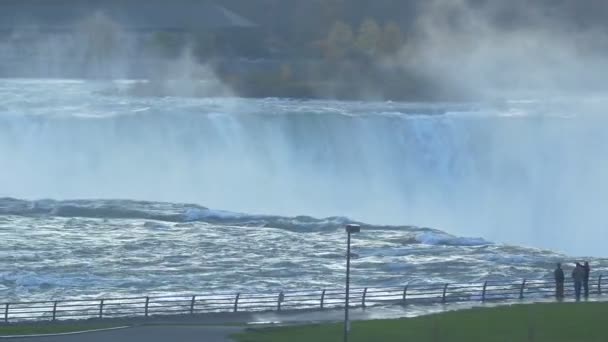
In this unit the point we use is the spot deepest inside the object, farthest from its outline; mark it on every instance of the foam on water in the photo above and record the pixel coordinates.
(530, 173)
(87, 257)
(98, 252)
(201, 214)
(433, 238)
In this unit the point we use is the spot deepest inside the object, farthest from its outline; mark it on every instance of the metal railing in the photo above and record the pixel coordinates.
(287, 300)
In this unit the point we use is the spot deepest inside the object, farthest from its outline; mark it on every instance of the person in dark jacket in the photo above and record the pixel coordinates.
(559, 282)
(578, 274)
(587, 271)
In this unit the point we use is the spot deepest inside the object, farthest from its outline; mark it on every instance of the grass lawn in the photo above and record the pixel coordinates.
(11, 330)
(571, 322)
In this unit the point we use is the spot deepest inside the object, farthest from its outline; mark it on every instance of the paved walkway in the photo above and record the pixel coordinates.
(207, 328)
(145, 334)
(212, 327)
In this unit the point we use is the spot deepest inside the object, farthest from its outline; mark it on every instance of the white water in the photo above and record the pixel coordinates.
(71, 257)
(526, 173)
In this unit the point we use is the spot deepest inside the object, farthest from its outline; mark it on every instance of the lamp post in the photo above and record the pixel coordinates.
(350, 228)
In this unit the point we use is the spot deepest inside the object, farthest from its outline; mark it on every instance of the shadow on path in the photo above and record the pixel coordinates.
(145, 334)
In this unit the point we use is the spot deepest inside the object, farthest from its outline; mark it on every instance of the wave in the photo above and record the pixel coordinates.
(186, 213)
(434, 238)
(168, 212)
(104, 209)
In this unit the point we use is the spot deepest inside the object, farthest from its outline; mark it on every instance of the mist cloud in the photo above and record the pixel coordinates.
(97, 47)
(482, 48)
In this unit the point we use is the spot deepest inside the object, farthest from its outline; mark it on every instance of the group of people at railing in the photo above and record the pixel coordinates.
(580, 276)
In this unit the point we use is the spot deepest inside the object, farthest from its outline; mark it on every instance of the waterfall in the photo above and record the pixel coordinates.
(533, 178)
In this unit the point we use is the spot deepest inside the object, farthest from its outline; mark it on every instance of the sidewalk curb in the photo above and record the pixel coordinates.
(63, 334)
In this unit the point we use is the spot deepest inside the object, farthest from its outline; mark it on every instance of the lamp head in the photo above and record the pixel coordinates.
(353, 228)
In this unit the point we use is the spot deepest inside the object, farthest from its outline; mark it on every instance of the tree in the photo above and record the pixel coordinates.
(339, 41)
(369, 37)
(392, 39)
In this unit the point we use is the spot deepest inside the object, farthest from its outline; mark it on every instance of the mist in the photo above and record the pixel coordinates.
(525, 164)
(497, 50)
(99, 48)
(547, 180)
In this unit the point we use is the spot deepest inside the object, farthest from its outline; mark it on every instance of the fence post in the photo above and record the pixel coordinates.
(445, 290)
(54, 310)
(363, 298)
(236, 302)
(147, 303)
(280, 300)
(483, 294)
(405, 294)
(101, 309)
(599, 285)
(6, 312)
(322, 299)
(521, 290)
(192, 302)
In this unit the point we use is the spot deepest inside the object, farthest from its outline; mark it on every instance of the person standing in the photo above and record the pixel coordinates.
(559, 282)
(578, 274)
(586, 272)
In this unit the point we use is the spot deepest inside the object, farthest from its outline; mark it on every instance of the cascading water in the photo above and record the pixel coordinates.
(528, 173)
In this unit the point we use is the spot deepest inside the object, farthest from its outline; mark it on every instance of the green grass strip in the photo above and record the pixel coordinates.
(572, 322)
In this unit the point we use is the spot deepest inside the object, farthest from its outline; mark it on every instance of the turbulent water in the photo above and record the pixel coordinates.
(88, 248)
(528, 173)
